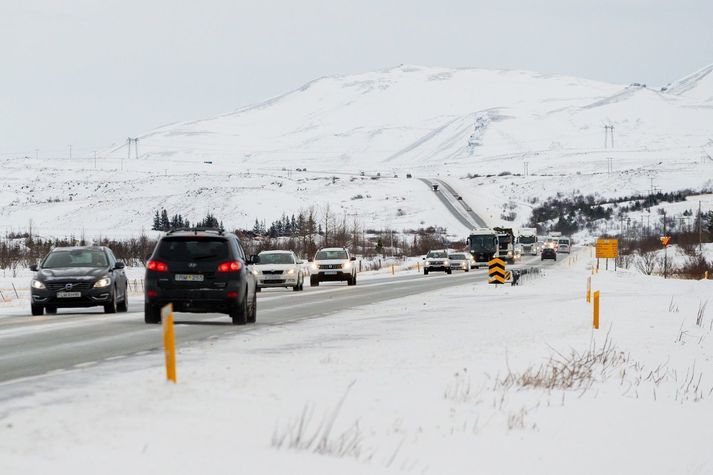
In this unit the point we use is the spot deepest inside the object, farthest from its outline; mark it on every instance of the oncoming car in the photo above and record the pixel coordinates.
(333, 264)
(278, 269)
(83, 276)
(436, 261)
(460, 261)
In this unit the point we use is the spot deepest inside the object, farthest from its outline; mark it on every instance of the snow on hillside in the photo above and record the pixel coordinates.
(429, 122)
(392, 389)
(698, 86)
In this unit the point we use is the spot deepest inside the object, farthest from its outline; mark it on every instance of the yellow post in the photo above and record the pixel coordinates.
(705, 275)
(596, 310)
(169, 342)
(589, 289)
(418, 267)
(392, 269)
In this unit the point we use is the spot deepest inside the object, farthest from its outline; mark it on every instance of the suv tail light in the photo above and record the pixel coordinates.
(157, 266)
(230, 266)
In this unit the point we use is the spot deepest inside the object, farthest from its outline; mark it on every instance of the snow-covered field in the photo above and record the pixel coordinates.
(443, 382)
(424, 121)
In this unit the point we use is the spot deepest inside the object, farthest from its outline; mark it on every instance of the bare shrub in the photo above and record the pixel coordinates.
(318, 437)
(573, 371)
(647, 262)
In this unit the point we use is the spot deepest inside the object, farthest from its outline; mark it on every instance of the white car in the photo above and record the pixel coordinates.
(278, 269)
(333, 264)
(460, 261)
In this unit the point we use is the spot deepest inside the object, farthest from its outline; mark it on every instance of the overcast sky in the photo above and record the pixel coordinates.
(90, 73)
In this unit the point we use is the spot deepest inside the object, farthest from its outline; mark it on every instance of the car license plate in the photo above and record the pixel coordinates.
(190, 277)
(68, 295)
(331, 272)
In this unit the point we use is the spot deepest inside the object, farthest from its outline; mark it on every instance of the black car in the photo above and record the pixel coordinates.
(200, 270)
(549, 253)
(85, 276)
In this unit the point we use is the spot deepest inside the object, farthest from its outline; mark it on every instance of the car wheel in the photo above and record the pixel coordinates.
(467, 269)
(111, 306)
(37, 310)
(239, 314)
(51, 310)
(425, 271)
(152, 314)
(351, 280)
(448, 271)
(296, 288)
(123, 306)
(258, 289)
(314, 281)
(253, 310)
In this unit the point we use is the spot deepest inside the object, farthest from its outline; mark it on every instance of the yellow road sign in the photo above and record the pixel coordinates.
(665, 240)
(607, 248)
(496, 271)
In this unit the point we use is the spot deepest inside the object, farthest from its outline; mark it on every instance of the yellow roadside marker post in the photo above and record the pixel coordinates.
(589, 289)
(596, 310)
(169, 342)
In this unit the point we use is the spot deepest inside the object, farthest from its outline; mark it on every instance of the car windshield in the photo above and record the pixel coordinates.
(437, 254)
(457, 257)
(564, 241)
(193, 249)
(528, 239)
(76, 258)
(276, 258)
(331, 254)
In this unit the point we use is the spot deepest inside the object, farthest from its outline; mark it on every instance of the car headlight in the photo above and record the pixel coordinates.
(36, 284)
(347, 265)
(447, 262)
(314, 266)
(103, 282)
(290, 271)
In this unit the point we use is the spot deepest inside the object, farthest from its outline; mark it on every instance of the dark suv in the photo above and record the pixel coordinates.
(200, 270)
(83, 276)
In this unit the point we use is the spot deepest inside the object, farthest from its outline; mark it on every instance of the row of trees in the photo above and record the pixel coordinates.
(162, 221)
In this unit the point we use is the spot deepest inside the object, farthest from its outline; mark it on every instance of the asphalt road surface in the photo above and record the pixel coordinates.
(33, 346)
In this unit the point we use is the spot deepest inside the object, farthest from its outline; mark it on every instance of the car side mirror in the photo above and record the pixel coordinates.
(34, 268)
(119, 265)
(310, 260)
(352, 258)
(254, 259)
(301, 262)
(423, 258)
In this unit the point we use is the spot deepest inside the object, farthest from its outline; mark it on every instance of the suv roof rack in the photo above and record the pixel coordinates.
(196, 230)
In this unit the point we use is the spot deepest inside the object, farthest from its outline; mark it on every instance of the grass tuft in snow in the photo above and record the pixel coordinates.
(303, 433)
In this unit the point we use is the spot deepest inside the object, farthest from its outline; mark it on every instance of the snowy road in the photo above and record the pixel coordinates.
(31, 346)
(461, 210)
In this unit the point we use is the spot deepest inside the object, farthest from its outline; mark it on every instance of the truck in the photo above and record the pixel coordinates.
(527, 239)
(483, 245)
(506, 244)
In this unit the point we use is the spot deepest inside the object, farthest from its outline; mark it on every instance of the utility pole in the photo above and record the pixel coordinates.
(700, 228)
(610, 164)
(652, 186)
(611, 128)
(665, 249)
(136, 147)
(70, 152)
(525, 170)
(95, 159)
(608, 129)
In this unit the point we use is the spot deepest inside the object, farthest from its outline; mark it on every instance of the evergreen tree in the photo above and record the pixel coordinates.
(156, 222)
(165, 223)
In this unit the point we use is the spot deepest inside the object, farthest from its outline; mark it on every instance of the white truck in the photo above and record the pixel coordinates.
(527, 239)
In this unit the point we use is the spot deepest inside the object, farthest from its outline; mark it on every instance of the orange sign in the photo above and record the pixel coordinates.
(607, 248)
(665, 240)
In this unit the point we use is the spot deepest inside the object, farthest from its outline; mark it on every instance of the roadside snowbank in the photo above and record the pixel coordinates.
(444, 382)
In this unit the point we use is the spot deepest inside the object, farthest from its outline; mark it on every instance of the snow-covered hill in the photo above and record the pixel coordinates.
(406, 120)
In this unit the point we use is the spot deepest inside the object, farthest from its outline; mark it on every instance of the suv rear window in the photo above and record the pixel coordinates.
(193, 249)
